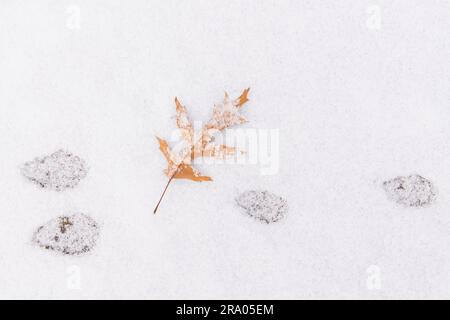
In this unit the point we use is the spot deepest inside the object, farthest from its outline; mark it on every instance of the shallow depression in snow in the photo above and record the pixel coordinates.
(263, 205)
(58, 171)
(411, 191)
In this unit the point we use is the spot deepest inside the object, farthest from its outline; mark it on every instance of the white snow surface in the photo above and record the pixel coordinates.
(360, 93)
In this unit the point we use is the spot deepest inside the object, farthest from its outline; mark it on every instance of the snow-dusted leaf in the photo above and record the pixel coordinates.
(262, 205)
(179, 164)
(217, 151)
(186, 171)
(239, 102)
(226, 114)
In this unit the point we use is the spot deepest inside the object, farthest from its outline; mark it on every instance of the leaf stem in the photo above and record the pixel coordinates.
(164, 192)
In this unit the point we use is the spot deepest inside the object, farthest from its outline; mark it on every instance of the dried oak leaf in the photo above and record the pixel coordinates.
(179, 170)
(179, 163)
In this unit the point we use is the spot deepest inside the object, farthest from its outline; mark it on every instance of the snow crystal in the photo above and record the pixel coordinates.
(411, 191)
(263, 205)
(72, 235)
(58, 171)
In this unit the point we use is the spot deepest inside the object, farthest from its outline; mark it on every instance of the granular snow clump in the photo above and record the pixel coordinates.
(410, 191)
(263, 205)
(58, 171)
(71, 235)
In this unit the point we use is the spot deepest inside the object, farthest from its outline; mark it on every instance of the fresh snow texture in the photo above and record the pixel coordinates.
(263, 205)
(58, 171)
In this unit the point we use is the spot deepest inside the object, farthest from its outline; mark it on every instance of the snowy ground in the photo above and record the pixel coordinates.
(359, 91)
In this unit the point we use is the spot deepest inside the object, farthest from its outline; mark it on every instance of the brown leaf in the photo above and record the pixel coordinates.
(183, 122)
(226, 115)
(186, 171)
(164, 147)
